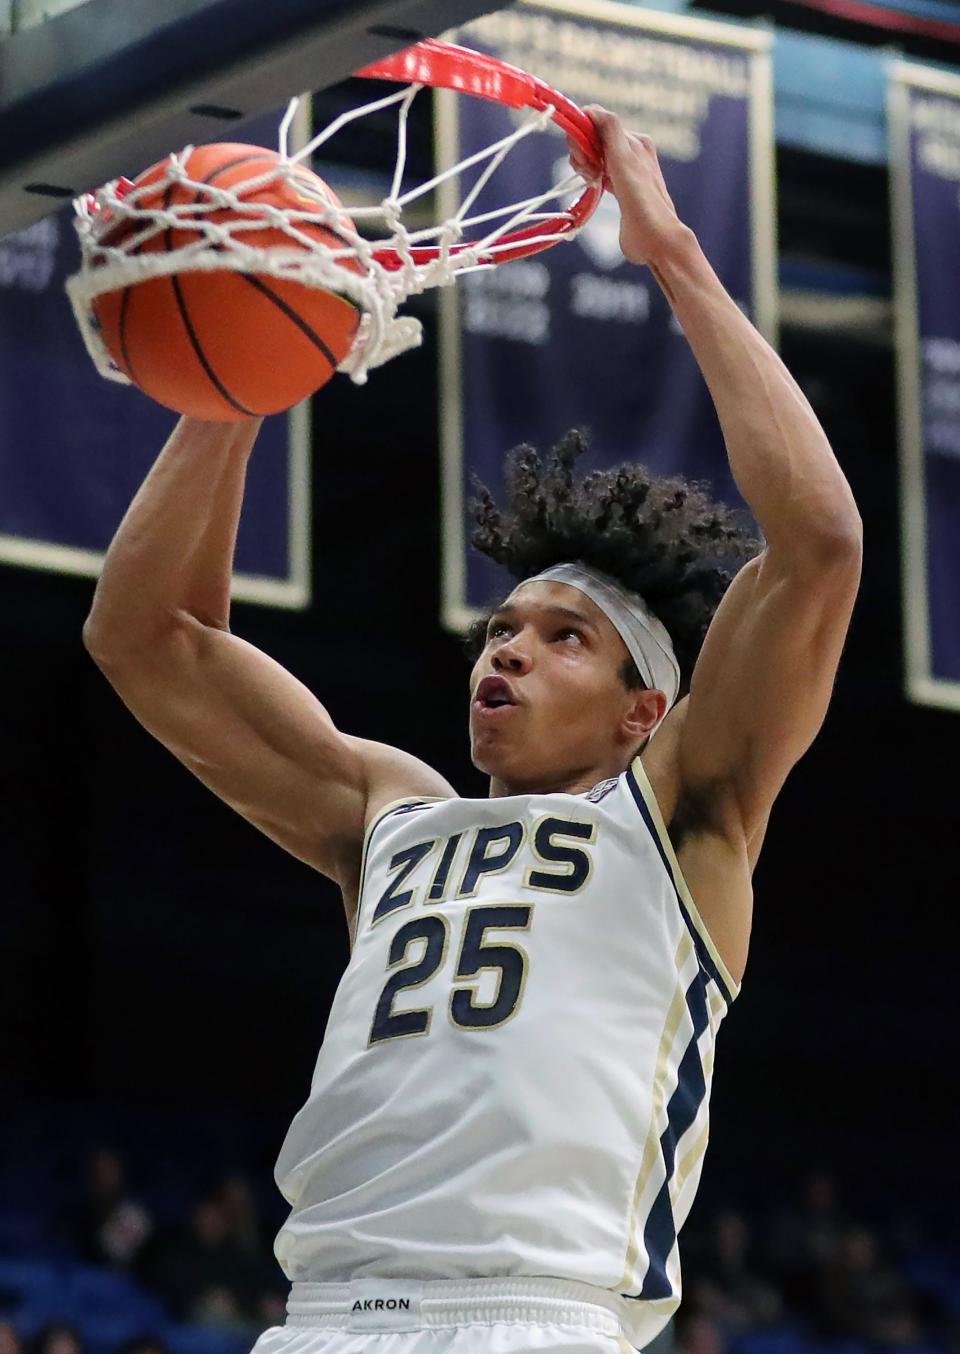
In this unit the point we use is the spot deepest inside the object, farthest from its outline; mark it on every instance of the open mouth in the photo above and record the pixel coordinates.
(494, 697)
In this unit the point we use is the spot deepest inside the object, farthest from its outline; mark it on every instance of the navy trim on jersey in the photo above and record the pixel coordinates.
(703, 954)
(397, 808)
(660, 1232)
(387, 813)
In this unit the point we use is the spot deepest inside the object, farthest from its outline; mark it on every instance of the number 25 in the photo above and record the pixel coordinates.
(508, 961)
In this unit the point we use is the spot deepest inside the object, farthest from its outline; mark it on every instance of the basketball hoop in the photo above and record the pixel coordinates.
(442, 65)
(378, 275)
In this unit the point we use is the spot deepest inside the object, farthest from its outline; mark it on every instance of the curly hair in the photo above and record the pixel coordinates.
(660, 536)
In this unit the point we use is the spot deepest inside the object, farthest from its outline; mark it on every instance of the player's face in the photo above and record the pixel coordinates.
(558, 658)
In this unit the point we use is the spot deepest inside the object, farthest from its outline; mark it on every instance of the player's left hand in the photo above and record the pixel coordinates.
(649, 223)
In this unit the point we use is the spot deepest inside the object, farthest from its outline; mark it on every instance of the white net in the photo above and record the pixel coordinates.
(376, 271)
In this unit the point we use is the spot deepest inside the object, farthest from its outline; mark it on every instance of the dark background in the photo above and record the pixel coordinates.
(156, 951)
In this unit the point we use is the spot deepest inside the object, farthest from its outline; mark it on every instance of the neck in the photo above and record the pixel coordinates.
(576, 782)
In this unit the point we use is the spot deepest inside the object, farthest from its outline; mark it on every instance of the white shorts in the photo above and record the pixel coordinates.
(448, 1316)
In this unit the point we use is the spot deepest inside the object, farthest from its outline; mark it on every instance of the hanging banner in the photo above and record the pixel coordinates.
(74, 448)
(924, 109)
(576, 336)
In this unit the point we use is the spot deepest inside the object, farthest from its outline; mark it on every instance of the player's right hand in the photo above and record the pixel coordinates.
(649, 225)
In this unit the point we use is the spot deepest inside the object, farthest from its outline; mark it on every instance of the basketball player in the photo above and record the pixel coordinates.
(508, 1117)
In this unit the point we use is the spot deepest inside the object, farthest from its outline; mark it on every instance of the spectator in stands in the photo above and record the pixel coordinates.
(804, 1238)
(246, 1230)
(859, 1296)
(109, 1228)
(235, 1198)
(59, 1337)
(727, 1289)
(10, 1342)
(271, 1309)
(202, 1273)
(221, 1309)
(697, 1334)
(143, 1344)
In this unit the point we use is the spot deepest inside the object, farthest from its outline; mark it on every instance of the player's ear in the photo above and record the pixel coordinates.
(645, 709)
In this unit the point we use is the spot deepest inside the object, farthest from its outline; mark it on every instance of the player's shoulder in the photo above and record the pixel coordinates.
(392, 775)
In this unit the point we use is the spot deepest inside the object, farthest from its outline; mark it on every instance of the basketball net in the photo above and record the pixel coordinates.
(399, 264)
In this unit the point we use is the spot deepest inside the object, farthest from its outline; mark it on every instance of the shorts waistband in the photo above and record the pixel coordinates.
(459, 1302)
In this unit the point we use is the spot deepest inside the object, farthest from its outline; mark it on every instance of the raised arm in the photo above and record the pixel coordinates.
(159, 631)
(764, 677)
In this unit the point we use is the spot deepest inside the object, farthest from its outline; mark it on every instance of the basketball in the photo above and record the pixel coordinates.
(226, 345)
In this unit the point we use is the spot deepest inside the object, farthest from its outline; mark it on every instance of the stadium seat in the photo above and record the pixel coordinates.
(784, 1339)
(183, 1339)
(112, 1330)
(28, 1281)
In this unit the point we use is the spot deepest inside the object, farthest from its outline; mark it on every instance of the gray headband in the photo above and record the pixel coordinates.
(646, 638)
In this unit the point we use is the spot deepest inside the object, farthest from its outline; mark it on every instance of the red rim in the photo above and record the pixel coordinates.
(443, 65)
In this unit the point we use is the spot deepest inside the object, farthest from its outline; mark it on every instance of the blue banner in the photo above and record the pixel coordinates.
(74, 448)
(925, 167)
(576, 336)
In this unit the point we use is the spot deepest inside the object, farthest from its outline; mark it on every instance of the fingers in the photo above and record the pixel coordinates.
(611, 129)
(582, 166)
(643, 144)
(618, 144)
(587, 169)
(614, 135)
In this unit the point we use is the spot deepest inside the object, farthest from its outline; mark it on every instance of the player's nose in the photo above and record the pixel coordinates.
(512, 657)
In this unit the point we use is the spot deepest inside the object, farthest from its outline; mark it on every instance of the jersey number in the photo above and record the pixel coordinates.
(476, 955)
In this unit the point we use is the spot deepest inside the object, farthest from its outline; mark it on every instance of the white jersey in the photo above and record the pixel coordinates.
(516, 1072)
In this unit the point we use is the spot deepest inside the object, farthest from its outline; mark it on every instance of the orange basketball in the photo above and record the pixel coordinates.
(225, 345)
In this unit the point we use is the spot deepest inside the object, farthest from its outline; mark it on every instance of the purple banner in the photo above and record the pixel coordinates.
(925, 155)
(576, 336)
(74, 447)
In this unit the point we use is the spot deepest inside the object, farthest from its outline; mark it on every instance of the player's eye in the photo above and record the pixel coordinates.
(569, 631)
(496, 628)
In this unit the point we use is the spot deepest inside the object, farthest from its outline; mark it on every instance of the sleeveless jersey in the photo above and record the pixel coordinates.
(516, 1071)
